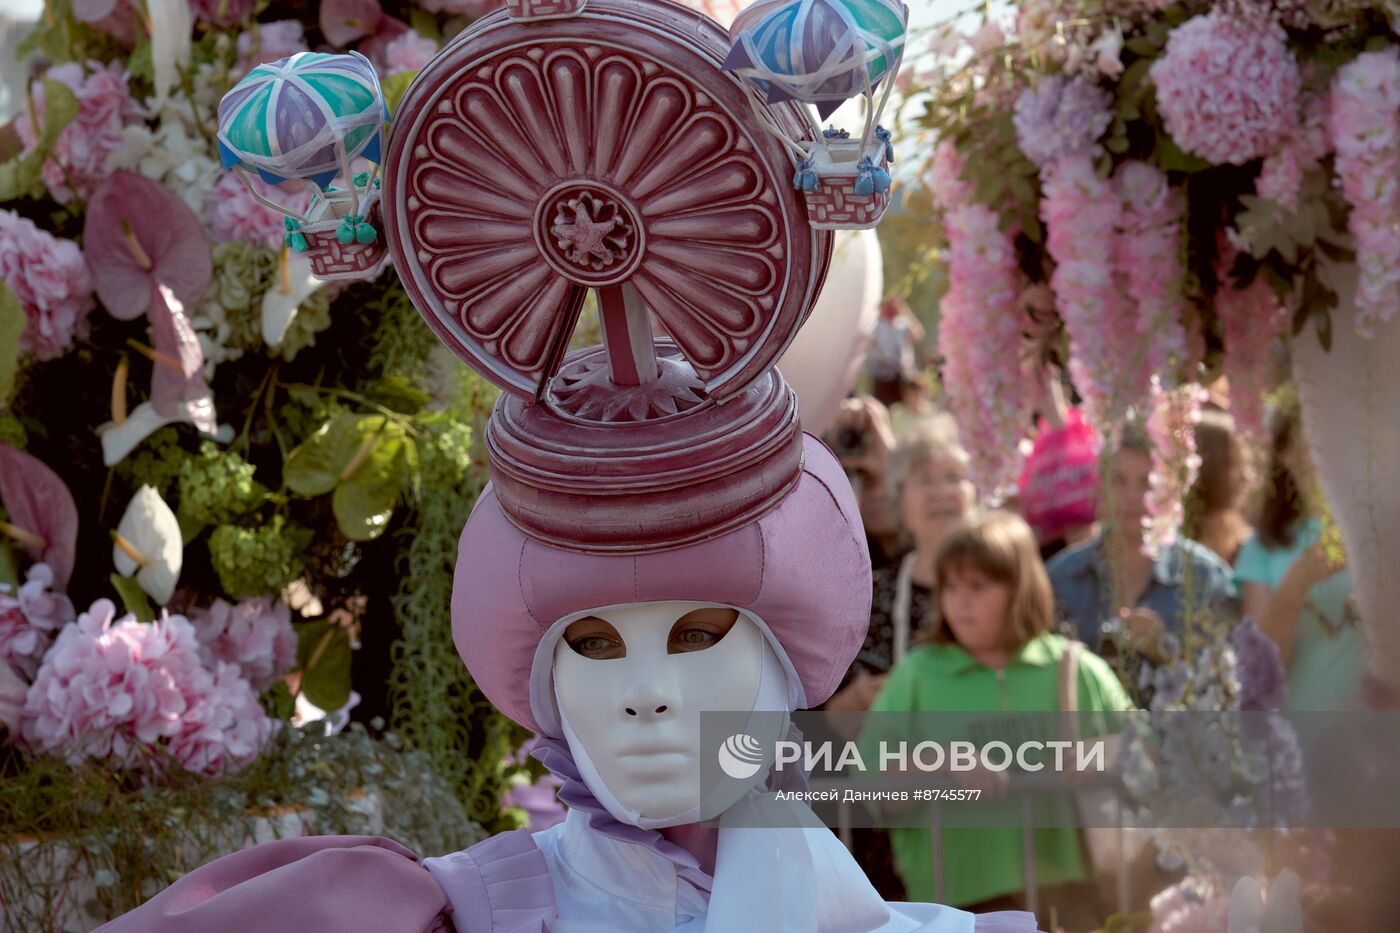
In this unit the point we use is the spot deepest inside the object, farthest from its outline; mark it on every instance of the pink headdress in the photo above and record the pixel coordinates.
(618, 158)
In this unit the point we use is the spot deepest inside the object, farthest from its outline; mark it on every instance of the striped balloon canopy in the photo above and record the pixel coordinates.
(821, 52)
(303, 117)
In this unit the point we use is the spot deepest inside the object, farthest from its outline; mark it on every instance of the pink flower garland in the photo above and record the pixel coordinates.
(51, 281)
(1082, 215)
(1171, 425)
(979, 329)
(1252, 319)
(1365, 130)
(129, 692)
(78, 163)
(1148, 253)
(1281, 175)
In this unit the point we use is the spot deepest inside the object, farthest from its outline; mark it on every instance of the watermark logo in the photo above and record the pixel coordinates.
(741, 756)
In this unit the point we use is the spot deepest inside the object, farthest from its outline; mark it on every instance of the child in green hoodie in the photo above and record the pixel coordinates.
(991, 651)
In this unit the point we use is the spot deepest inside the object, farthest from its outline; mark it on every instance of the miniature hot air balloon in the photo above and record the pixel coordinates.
(307, 117)
(823, 53)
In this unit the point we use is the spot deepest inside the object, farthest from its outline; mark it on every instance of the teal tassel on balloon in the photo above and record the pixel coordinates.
(345, 233)
(366, 234)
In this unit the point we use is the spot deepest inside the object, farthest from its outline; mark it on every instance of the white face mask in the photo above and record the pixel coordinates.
(633, 723)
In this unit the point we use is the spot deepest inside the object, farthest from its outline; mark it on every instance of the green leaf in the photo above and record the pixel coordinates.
(133, 597)
(1170, 157)
(140, 65)
(323, 655)
(315, 466)
(22, 176)
(1322, 322)
(12, 324)
(279, 702)
(395, 87)
(9, 573)
(425, 24)
(363, 510)
(1142, 46)
(60, 109)
(398, 393)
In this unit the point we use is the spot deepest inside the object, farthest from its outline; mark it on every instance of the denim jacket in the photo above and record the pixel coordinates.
(1186, 577)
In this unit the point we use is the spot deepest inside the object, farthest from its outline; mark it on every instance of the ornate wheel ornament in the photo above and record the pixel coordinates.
(534, 161)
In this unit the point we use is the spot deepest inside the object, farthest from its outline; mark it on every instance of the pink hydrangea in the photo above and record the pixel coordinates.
(1228, 89)
(78, 163)
(408, 52)
(52, 283)
(225, 726)
(234, 214)
(1082, 215)
(272, 42)
(29, 618)
(1365, 130)
(255, 635)
(221, 12)
(473, 8)
(133, 694)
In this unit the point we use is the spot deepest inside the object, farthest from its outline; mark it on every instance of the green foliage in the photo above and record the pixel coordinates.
(323, 657)
(12, 431)
(133, 597)
(89, 823)
(258, 561)
(59, 37)
(12, 324)
(361, 459)
(216, 487)
(312, 318)
(156, 463)
(22, 176)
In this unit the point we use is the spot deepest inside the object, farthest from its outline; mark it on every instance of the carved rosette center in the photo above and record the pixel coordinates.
(588, 233)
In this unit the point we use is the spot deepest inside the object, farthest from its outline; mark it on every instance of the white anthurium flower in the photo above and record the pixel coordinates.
(120, 438)
(171, 28)
(1281, 911)
(293, 284)
(147, 544)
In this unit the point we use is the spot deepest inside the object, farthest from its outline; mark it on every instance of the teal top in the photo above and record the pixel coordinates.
(1328, 649)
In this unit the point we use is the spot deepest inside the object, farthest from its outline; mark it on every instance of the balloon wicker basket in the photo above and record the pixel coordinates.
(834, 203)
(543, 9)
(329, 257)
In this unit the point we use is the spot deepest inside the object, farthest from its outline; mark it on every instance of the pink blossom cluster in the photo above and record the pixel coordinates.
(134, 693)
(1365, 130)
(1181, 909)
(944, 178)
(1252, 319)
(78, 162)
(408, 51)
(52, 283)
(29, 618)
(979, 320)
(273, 42)
(1082, 217)
(255, 636)
(1227, 88)
(1148, 251)
(1281, 175)
(234, 214)
(1171, 426)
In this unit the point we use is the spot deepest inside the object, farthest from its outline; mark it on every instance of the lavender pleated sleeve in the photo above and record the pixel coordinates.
(312, 884)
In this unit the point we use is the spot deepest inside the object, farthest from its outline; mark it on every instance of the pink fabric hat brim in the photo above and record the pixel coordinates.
(803, 568)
